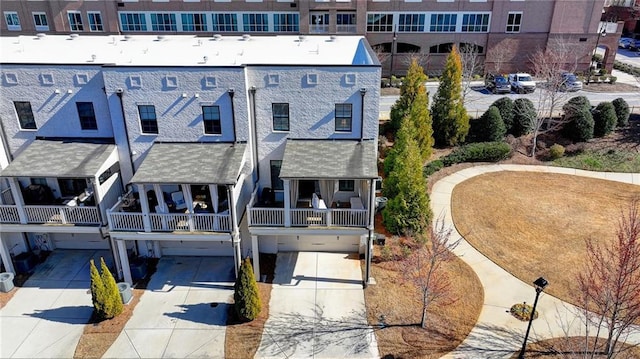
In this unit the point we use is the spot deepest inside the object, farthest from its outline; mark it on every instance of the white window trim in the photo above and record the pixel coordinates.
(40, 27)
(519, 25)
(12, 27)
(89, 22)
(427, 21)
(69, 12)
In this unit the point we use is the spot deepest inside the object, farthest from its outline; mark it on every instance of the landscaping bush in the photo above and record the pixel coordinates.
(105, 295)
(246, 297)
(556, 151)
(505, 107)
(579, 125)
(604, 118)
(622, 111)
(489, 127)
(432, 167)
(524, 117)
(478, 152)
(612, 79)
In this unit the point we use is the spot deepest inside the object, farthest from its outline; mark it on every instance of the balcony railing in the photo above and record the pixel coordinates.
(350, 29)
(87, 215)
(318, 29)
(9, 214)
(308, 217)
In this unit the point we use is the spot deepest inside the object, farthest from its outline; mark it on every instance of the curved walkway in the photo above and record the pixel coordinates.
(497, 334)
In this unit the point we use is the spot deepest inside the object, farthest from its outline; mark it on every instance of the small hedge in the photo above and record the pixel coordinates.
(473, 152)
(522, 311)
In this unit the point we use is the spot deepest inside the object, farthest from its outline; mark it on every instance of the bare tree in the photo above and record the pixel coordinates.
(610, 283)
(500, 53)
(469, 57)
(548, 67)
(424, 268)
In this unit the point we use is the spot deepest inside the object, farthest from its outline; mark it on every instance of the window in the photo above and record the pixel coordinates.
(411, 22)
(163, 22)
(25, 115)
(276, 182)
(346, 22)
(319, 22)
(443, 22)
(75, 21)
(211, 120)
(148, 120)
(133, 22)
(441, 48)
(380, 22)
(39, 181)
(255, 22)
(475, 22)
(95, 21)
(13, 22)
(72, 186)
(343, 117)
(87, 116)
(280, 116)
(514, 20)
(286, 22)
(346, 185)
(194, 22)
(40, 20)
(225, 22)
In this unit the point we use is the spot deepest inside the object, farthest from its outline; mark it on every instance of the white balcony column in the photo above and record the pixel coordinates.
(235, 233)
(370, 234)
(287, 203)
(213, 191)
(17, 198)
(157, 251)
(188, 200)
(124, 261)
(144, 205)
(256, 256)
(162, 205)
(6, 256)
(114, 250)
(372, 204)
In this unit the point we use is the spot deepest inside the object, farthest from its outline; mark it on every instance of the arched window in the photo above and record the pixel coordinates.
(404, 48)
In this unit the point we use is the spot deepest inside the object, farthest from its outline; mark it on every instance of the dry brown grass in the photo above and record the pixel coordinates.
(98, 337)
(243, 339)
(448, 325)
(570, 348)
(535, 224)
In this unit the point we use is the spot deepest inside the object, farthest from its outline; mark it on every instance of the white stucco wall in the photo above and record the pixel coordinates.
(179, 118)
(55, 114)
(311, 106)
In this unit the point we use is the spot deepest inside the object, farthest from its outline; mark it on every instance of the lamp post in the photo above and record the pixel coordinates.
(601, 33)
(540, 284)
(393, 45)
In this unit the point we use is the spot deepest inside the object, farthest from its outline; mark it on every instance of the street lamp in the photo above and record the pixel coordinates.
(540, 284)
(601, 33)
(393, 45)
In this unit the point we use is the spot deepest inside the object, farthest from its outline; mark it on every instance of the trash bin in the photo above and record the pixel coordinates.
(24, 262)
(138, 268)
(125, 292)
(6, 282)
(381, 202)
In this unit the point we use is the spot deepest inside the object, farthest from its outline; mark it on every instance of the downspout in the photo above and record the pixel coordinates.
(254, 131)
(232, 92)
(363, 91)
(119, 93)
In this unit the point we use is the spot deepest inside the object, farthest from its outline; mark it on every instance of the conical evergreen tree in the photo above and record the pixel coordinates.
(450, 119)
(247, 299)
(408, 91)
(490, 126)
(421, 118)
(112, 302)
(397, 153)
(97, 290)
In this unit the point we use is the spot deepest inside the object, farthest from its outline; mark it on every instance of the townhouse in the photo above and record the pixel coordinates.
(182, 145)
(504, 32)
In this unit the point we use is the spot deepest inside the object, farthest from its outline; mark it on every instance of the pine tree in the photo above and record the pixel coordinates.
(450, 119)
(414, 80)
(97, 290)
(421, 118)
(397, 153)
(622, 111)
(112, 302)
(408, 211)
(605, 119)
(505, 106)
(489, 127)
(524, 117)
(247, 299)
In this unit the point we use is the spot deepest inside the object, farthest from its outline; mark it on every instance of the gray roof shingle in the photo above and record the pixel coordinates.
(329, 159)
(201, 163)
(59, 159)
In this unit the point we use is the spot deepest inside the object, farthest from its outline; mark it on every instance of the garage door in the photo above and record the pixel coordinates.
(192, 248)
(318, 243)
(78, 241)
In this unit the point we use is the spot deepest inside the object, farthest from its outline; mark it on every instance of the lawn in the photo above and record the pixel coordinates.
(535, 224)
(603, 160)
(571, 347)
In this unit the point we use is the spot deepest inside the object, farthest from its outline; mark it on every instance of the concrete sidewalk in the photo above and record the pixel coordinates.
(497, 334)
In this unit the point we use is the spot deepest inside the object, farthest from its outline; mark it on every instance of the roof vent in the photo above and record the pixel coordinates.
(73, 36)
(41, 35)
(246, 37)
(161, 37)
(217, 37)
(127, 37)
(301, 38)
(333, 38)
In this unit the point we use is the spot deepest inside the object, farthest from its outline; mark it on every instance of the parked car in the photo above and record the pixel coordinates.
(522, 82)
(497, 83)
(634, 45)
(570, 82)
(625, 42)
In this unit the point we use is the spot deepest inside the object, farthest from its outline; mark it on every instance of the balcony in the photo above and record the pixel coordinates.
(346, 29)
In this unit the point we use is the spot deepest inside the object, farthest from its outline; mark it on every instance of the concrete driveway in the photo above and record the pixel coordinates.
(182, 314)
(317, 309)
(46, 317)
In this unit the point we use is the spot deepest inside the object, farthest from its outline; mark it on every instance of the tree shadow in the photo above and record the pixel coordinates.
(205, 313)
(79, 314)
(491, 341)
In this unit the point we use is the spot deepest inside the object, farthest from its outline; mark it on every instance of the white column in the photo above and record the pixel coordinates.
(114, 254)
(17, 198)
(370, 226)
(235, 237)
(213, 190)
(6, 256)
(188, 200)
(287, 203)
(157, 251)
(144, 205)
(124, 260)
(256, 257)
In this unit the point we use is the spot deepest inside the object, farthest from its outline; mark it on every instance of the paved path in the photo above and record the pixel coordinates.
(183, 312)
(497, 334)
(317, 309)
